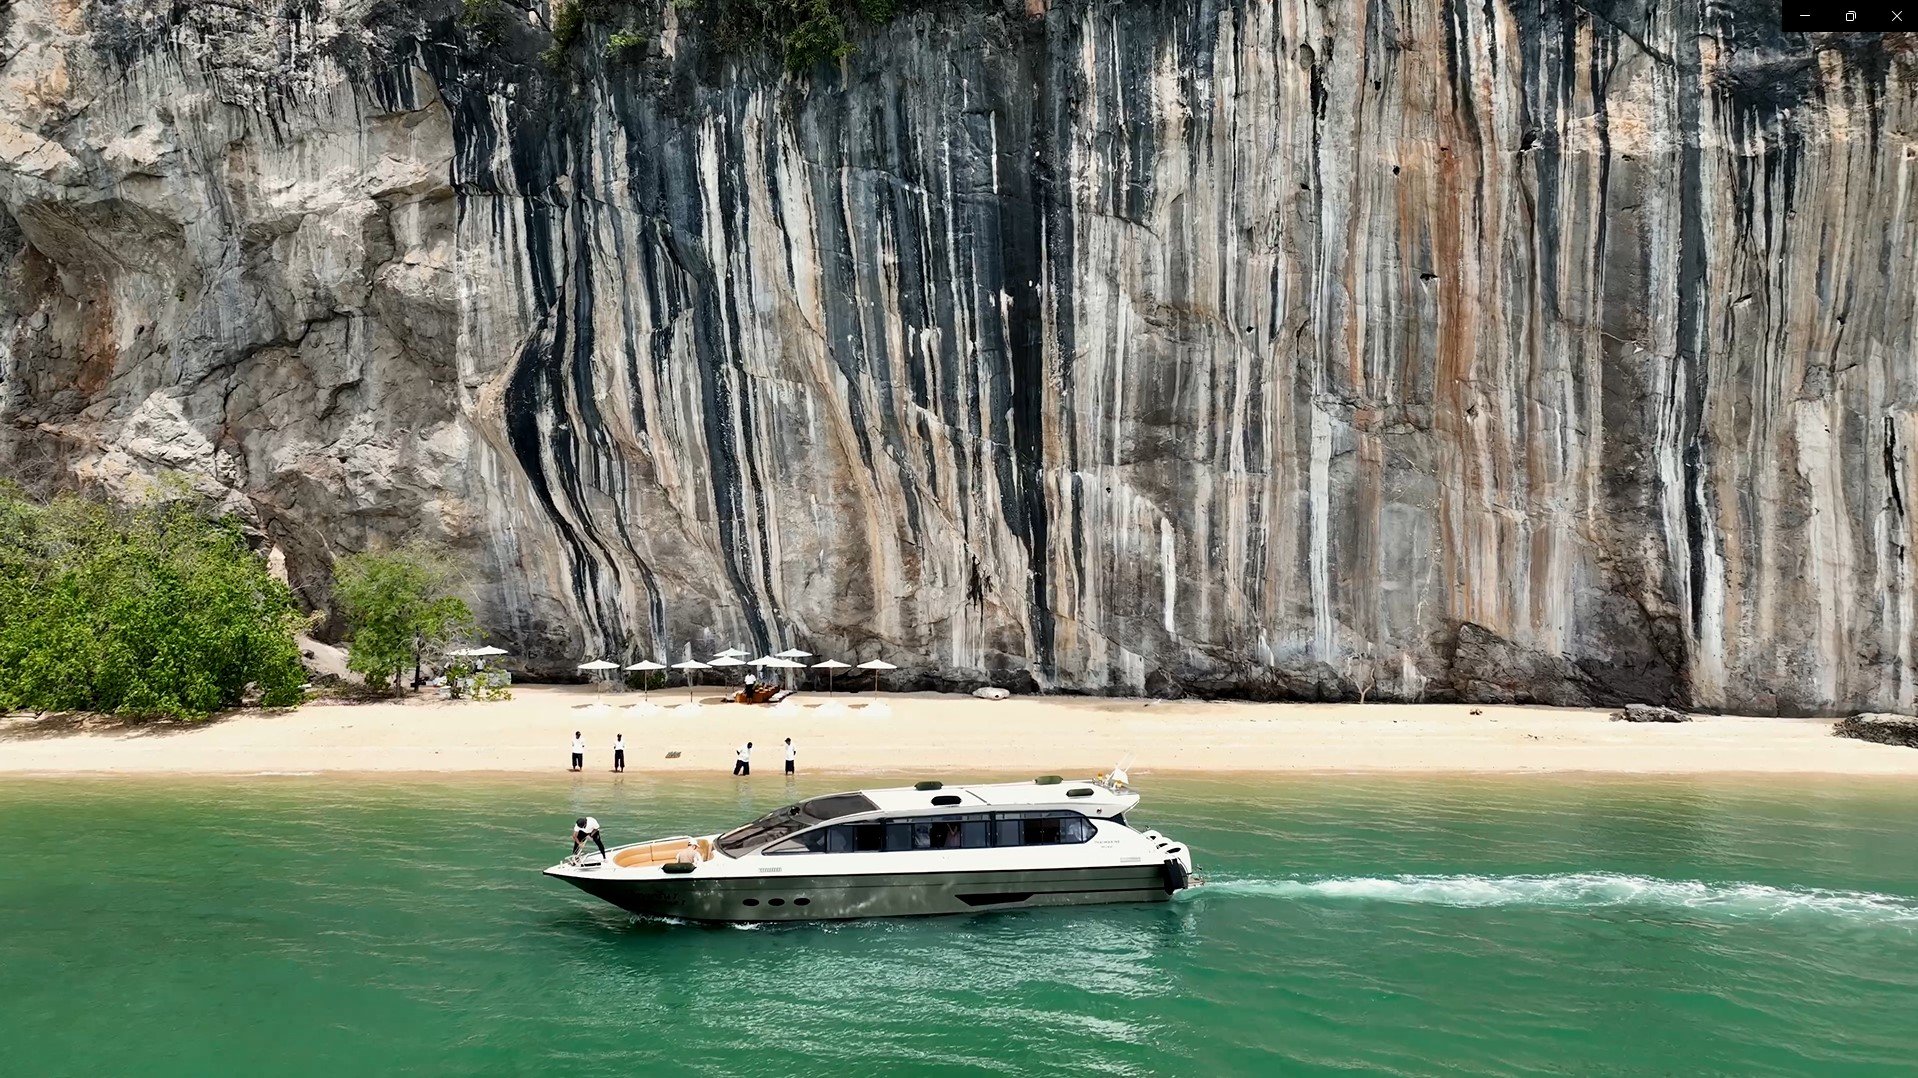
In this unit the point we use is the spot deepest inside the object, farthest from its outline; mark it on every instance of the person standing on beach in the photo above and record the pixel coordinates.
(791, 755)
(743, 759)
(619, 752)
(579, 752)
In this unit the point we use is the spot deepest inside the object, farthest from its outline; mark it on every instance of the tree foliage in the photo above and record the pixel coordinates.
(147, 610)
(400, 609)
(801, 32)
(485, 19)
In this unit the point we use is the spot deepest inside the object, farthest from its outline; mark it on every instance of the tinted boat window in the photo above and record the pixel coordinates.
(778, 824)
(810, 842)
(1040, 829)
(1008, 830)
(1043, 831)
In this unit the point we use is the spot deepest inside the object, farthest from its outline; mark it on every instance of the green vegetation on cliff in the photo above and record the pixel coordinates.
(801, 32)
(149, 610)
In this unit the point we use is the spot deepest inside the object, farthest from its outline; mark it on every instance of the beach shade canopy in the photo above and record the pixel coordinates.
(727, 660)
(598, 664)
(486, 652)
(876, 665)
(795, 653)
(646, 666)
(732, 653)
(830, 665)
(689, 666)
(764, 660)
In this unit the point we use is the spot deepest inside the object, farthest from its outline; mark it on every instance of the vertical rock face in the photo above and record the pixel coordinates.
(1487, 351)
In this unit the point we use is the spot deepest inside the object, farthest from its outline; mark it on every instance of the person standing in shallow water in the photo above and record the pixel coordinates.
(579, 752)
(743, 759)
(791, 755)
(619, 752)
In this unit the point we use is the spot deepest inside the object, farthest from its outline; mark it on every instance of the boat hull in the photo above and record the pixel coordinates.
(720, 898)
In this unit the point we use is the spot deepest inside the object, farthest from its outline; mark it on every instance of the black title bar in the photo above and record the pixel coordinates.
(1866, 16)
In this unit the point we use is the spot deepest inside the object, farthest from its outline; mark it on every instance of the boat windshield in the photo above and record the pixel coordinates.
(778, 824)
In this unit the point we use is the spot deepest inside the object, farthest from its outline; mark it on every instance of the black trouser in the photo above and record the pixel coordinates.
(789, 767)
(741, 767)
(619, 759)
(578, 842)
(579, 760)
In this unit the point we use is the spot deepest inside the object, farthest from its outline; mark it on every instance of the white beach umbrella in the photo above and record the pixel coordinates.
(594, 666)
(781, 662)
(480, 653)
(876, 665)
(727, 661)
(646, 666)
(829, 666)
(794, 653)
(689, 666)
(732, 653)
(764, 663)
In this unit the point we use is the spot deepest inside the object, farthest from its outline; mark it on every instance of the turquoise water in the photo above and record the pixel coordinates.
(315, 926)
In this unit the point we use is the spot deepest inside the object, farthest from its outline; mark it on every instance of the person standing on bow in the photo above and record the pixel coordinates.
(587, 828)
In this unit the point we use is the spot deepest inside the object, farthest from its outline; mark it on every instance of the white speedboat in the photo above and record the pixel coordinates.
(918, 850)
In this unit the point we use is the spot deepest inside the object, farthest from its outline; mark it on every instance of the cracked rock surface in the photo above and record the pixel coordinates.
(1496, 352)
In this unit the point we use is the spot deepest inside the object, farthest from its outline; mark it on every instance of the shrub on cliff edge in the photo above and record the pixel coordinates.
(147, 610)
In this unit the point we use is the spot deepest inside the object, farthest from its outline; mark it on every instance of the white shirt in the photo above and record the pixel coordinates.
(619, 743)
(579, 744)
(744, 753)
(791, 753)
(592, 825)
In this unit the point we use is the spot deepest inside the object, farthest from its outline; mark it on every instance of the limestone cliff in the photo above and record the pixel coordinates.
(1512, 350)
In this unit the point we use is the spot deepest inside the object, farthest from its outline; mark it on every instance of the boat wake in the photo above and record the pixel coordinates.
(1584, 890)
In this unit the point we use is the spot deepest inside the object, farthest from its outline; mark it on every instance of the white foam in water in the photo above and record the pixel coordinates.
(1585, 890)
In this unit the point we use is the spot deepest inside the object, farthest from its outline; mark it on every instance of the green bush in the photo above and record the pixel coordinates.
(485, 19)
(627, 42)
(148, 610)
(569, 18)
(400, 609)
(802, 32)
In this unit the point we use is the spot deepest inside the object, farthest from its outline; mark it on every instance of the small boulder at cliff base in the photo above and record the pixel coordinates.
(1880, 728)
(1649, 713)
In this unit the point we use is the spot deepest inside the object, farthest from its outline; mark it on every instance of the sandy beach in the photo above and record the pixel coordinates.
(940, 735)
